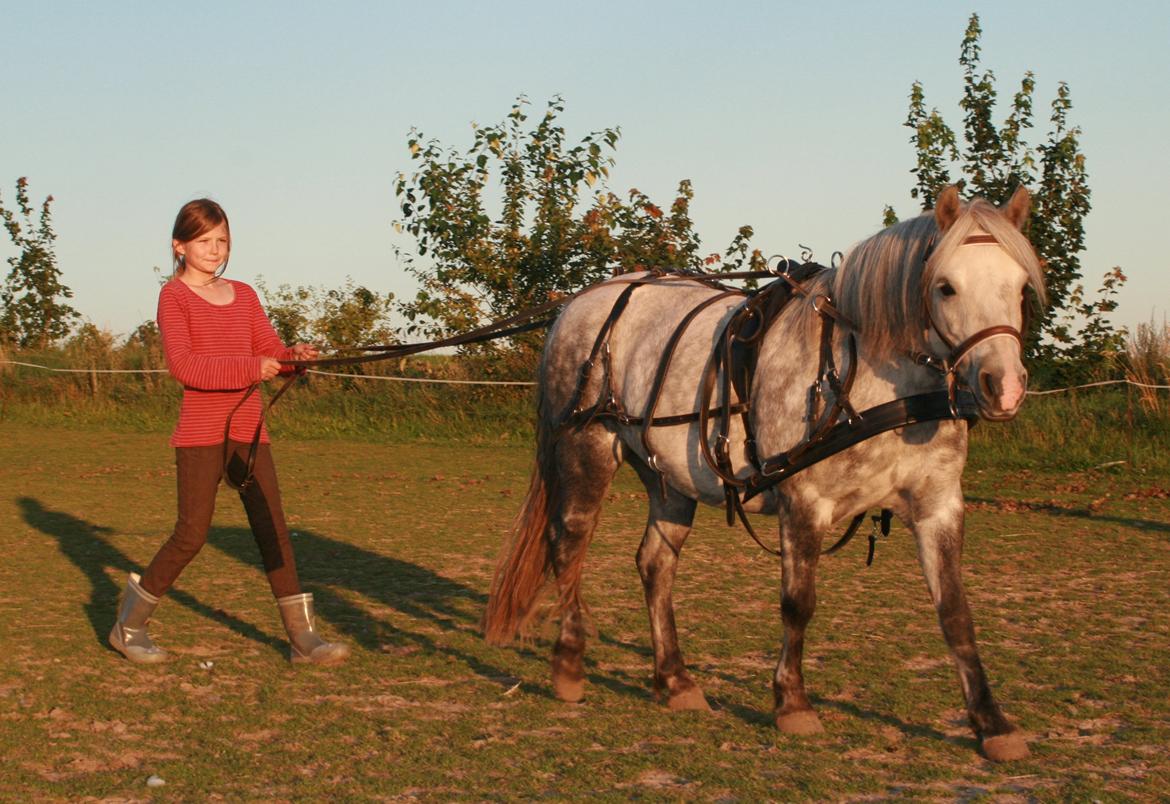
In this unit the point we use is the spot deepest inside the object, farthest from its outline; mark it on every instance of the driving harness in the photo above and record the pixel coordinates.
(732, 365)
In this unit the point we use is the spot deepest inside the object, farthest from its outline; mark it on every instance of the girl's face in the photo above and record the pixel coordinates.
(206, 252)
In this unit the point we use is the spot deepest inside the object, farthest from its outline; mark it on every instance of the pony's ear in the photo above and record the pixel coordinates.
(946, 207)
(1019, 207)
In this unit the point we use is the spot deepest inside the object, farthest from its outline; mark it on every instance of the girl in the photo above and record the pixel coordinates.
(218, 343)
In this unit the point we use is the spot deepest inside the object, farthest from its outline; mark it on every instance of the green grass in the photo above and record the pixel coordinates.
(1066, 572)
(1079, 430)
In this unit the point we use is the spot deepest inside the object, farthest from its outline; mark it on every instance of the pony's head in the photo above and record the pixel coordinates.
(950, 284)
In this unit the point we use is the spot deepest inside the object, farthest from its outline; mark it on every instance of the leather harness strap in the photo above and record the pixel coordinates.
(250, 464)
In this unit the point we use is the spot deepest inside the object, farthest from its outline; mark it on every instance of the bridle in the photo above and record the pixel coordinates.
(949, 365)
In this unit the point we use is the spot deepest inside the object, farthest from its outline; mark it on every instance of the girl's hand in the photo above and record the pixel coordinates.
(305, 351)
(269, 368)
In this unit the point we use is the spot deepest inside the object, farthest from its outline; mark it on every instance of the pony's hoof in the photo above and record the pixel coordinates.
(570, 689)
(1005, 747)
(802, 721)
(690, 699)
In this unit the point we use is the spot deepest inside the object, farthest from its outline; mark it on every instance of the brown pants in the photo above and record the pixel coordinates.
(199, 470)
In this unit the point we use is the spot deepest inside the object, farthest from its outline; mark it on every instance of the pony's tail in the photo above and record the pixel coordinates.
(524, 565)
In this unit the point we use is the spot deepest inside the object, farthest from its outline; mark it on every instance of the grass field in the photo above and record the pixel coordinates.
(1069, 576)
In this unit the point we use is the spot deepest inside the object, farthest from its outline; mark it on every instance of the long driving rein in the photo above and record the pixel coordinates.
(732, 365)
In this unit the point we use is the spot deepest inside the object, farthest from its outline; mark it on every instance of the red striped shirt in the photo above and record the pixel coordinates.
(214, 351)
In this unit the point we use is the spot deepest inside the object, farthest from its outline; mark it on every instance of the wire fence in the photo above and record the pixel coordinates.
(440, 381)
(435, 380)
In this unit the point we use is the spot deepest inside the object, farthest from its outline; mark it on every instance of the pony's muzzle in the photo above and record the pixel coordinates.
(1000, 394)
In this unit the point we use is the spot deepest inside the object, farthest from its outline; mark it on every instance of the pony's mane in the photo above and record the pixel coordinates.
(884, 282)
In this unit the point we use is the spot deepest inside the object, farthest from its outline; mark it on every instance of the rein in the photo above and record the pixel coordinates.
(525, 321)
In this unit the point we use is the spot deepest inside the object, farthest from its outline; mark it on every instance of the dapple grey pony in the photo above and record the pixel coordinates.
(910, 291)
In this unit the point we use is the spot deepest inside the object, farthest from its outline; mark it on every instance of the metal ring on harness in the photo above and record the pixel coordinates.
(780, 260)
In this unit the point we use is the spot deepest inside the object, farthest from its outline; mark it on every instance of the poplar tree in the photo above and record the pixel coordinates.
(33, 312)
(1071, 332)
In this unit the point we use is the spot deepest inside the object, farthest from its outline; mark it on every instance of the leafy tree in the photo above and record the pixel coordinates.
(353, 316)
(32, 310)
(338, 318)
(993, 161)
(555, 228)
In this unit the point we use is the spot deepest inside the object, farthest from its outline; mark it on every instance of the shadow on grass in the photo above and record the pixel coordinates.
(1079, 513)
(87, 546)
(765, 716)
(426, 598)
(909, 729)
(435, 607)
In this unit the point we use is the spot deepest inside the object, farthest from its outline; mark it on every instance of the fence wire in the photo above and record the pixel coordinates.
(438, 381)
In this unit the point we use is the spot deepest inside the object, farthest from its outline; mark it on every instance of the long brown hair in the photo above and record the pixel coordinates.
(195, 218)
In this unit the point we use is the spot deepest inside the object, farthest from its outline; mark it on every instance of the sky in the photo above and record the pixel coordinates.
(785, 115)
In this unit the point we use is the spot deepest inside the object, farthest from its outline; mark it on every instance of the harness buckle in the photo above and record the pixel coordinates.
(953, 394)
(652, 462)
(764, 470)
(814, 397)
(723, 447)
(881, 529)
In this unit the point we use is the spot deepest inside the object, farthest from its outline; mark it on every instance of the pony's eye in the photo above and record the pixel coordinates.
(946, 289)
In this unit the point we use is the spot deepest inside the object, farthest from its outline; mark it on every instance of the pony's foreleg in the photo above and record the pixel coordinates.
(586, 462)
(667, 528)
(939, 534)
(800, 543)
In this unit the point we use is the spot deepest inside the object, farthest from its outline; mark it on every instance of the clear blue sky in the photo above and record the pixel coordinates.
(785, 115)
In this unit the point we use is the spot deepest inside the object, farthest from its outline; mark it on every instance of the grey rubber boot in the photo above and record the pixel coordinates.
(129, 636)
(305, 645)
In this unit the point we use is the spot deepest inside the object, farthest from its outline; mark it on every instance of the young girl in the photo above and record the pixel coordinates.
(218, 343)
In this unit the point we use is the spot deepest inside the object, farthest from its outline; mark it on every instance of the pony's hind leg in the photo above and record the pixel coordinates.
(585, 462)
(667, 527)
(939, 533)
(800, 546)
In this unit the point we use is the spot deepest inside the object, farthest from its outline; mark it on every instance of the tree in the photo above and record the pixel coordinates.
(994, 161)
(32, 313)
(338, 318)
(555, 228)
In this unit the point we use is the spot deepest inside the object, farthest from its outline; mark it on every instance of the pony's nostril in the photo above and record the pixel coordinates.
(987, 385)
